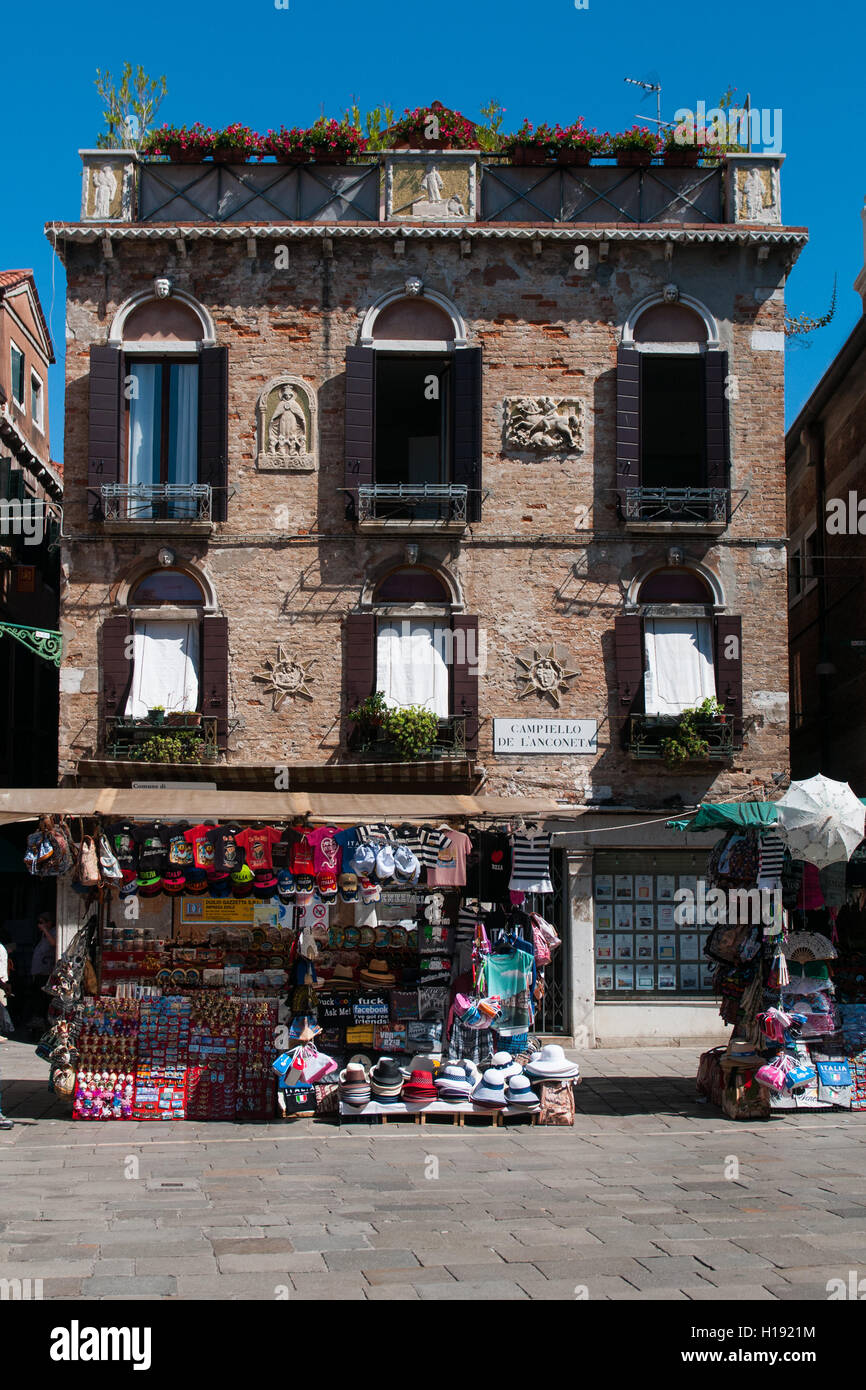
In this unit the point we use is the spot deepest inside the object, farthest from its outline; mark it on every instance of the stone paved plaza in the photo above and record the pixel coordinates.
(633, 1203)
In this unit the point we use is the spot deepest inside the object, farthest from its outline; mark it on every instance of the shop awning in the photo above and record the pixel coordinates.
(137, 803)
(438, 776)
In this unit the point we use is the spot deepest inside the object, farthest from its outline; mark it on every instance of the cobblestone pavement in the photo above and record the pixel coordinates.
(653, 1195)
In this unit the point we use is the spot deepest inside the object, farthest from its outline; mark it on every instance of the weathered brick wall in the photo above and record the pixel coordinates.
(287, 566)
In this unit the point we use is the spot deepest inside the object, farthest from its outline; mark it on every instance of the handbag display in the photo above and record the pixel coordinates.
(299, 1100)
(109, 868)
(87, 865)
(557, 1103)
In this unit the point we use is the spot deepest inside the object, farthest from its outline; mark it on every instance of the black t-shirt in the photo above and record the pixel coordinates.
(152, 846)
(494, 866)
(228, 855)
(179, 854)
(281, 851)
(124, 841)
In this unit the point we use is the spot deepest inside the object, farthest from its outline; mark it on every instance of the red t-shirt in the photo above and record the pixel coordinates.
(202, 847)
(257, 844)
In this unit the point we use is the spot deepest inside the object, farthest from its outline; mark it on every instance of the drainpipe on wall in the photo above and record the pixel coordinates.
(813, 439)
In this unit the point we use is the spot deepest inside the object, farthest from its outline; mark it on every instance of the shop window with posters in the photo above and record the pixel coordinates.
(648, 942)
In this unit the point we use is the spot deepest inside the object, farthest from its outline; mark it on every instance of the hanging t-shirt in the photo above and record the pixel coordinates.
(494, 866)
(282, 850)
(153, 846)
(348, 840)
(432, 841)
(326, 851)
(124, 841)
(179, 849)
(450, 867)
(257, 844)
(368, 834)
(530, 863)
(301, 859)
(510, 975)
(202, 847)
(408, 835)
(227, 853)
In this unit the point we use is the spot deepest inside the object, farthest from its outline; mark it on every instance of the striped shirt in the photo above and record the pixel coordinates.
(431, 843)
(530, 864)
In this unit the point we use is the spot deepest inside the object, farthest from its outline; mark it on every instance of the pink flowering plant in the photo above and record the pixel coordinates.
(285, 141)
(435, 122)
(638, 137)
(237, 137)
(194, 139)
(577, 137)
(541, 136)
(336, 135)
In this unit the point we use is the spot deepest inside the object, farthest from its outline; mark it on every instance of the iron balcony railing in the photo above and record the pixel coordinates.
(450, 743)
(156, 501)
(647, 733)
(698, 504)
(126, 737)
(445, 502)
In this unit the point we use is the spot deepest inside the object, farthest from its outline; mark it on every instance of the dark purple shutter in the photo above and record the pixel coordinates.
(213, 428)
(464, 690)
(117, 665)
(467, 427)
(215, 673)
(360, 417)
(718, 431)
(628, 646)
(103, 464)
(729, 668)
(627, 422)
(359, 670)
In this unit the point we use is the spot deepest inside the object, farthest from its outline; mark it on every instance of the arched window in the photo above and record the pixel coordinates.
(413, 423)
(672, 415)
(678, 641)
(166, 643)
(158, 415)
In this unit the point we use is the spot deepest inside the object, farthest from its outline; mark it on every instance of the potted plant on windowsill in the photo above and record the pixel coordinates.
(576, 145)
(181, 144)
(433, 127)
(530, 144)
(412, 729)
(368, 718)
(634, 148)
(235, 144)
(686, 741)
(156, 714)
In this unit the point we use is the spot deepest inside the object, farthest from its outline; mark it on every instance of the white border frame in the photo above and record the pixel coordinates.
(118, 325)
(13, 347)
(37, 424)
(366, 339)
(627, 339)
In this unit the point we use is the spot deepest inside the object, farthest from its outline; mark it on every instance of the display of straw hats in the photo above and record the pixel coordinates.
(419, 1087)
(504, 1062)
(378, 974)
(489, 1094)
(551, 1064)
(452, 1083)
(386, 1081)
(519, 1093)
(354, 1085)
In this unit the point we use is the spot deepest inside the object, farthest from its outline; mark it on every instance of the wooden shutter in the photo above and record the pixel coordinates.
(718, 430)
(627, 422)
(360, 417)
(466, 466)
(464, 687)
(359, 666)
(213, 426)
(729, 668)
(117, 665)
(104, 457)
(215, 673)
(628, 646)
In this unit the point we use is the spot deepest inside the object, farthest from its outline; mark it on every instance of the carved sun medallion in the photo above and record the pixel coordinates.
(285, 677)
(546, 672)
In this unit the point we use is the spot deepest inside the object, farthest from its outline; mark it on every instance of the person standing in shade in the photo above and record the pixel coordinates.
(41, 966)
(4, 977)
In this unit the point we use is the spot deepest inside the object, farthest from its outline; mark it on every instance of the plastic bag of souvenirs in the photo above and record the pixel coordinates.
(743, 1098)
(557, 1103)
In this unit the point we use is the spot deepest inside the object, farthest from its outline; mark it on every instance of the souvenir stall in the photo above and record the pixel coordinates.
(792, 977)
(237, 970)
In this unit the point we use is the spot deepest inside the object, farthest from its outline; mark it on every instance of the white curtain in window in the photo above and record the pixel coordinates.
(411, 665)
(183, 431)
(679, 671)
(145, 406)
(165, 667)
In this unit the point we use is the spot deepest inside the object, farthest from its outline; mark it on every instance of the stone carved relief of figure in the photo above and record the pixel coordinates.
(287, 431)
(432, 185)
(104, 189)
(537, 424)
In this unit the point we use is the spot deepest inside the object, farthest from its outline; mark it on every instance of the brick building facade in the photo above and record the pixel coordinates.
(572, 548)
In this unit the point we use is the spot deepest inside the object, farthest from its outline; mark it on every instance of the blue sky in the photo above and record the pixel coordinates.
(547, 60)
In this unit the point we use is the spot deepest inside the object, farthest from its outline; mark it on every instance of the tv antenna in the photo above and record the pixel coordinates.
(649, 87)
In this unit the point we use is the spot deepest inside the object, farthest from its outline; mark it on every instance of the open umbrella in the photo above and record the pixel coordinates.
(821, 821)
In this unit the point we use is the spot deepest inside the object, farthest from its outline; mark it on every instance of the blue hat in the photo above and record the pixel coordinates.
(220, 887)
(364, 861)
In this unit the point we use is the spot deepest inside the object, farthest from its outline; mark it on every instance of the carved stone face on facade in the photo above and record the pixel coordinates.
(670, 294)
(287, 426)
(543, 424)
(414, 285)
(285, 678)
(162, 287)
(547, 672)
